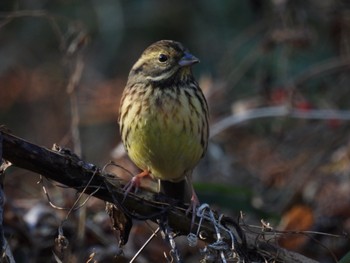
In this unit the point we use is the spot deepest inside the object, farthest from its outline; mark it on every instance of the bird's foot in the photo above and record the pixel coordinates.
(192, 207)
(134, 183)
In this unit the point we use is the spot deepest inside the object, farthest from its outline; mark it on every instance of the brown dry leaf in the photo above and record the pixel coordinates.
(298, 218)
(120, 222)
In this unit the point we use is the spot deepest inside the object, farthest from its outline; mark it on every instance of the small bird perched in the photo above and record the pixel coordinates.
(163, 115)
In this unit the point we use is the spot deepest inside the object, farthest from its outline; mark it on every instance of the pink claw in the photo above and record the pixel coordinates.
(135, 183)
(192, 207)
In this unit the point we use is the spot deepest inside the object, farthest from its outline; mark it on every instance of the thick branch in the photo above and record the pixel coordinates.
(66, 168)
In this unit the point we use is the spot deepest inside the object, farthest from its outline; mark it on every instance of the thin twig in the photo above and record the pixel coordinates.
(154, 234)
(278, 111)
(8, 17)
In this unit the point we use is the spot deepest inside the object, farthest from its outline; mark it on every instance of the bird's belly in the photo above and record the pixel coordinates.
(167, 143)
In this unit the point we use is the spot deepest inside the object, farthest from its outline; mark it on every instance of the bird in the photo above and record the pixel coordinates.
(163, 116)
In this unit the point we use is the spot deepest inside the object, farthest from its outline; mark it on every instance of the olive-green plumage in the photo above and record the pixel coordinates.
(163, 114)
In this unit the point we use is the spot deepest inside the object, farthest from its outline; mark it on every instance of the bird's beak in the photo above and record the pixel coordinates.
(187, 60)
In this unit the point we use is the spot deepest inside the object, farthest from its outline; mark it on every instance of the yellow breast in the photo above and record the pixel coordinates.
(163, 132)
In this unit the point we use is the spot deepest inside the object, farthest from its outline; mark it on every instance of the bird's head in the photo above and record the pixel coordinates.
(163, 60)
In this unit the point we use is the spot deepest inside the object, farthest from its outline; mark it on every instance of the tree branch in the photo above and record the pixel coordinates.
(67, 168)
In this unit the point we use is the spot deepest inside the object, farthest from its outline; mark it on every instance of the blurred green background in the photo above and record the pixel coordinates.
(255, 55)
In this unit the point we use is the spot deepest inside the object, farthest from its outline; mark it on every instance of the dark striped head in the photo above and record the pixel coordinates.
(162, 60)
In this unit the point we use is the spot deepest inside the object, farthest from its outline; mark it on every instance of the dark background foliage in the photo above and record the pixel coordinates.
(290, 167)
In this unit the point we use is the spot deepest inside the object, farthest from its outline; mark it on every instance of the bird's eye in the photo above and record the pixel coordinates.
(162, 58)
